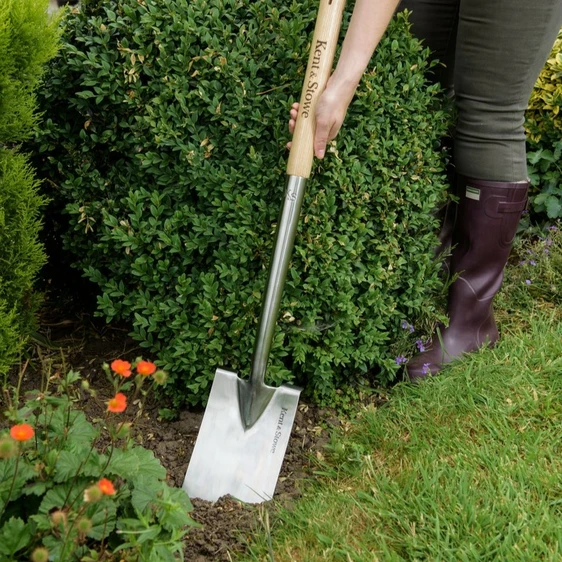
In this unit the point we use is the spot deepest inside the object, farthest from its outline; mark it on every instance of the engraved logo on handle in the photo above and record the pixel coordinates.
(312, 84)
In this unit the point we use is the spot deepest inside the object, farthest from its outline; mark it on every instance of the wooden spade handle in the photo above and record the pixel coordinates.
(322, 50)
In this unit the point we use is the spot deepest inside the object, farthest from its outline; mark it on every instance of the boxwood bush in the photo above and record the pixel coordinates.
(27, 41)
(166, 149)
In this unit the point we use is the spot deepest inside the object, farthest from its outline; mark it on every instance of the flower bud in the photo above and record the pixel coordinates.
(84, 525)
(85, 385)
(8, 448)
(160, 377)
(58, 517)
(40, 555)
(93, 494)
(124, 430)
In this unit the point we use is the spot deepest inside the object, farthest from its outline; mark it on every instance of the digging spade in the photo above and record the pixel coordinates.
(247, 424)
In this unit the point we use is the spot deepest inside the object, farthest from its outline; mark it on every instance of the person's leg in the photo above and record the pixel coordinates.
(435, 23)
(501, 48)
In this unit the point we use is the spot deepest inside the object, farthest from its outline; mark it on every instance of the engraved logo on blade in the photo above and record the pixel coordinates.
(278, 431)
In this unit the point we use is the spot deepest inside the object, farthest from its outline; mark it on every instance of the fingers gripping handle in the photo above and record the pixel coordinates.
(322, 50)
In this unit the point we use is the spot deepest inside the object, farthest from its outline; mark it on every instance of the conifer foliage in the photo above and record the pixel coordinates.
(28, 39)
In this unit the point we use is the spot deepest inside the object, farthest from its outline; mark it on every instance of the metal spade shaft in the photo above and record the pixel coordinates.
(247, 424)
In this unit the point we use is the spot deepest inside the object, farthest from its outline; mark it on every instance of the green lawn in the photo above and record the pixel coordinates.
(466, 466)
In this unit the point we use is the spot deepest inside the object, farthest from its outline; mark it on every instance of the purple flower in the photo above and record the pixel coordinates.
(552, 228)
(532, 262)
(420, 345)
(523, 262)
(400, 360)
(528, 281)
(425, 369)
(406, 326)
(546, 251)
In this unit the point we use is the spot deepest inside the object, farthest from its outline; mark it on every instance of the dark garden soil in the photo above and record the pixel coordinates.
(85, 343)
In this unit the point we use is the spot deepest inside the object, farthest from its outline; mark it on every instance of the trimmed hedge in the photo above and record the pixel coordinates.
(166, 144)
(27, 40)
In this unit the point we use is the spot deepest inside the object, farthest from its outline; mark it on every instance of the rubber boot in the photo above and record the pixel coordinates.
(487, 217)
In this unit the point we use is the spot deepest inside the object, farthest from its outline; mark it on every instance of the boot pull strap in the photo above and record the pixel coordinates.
(496, 206)
(516, 207)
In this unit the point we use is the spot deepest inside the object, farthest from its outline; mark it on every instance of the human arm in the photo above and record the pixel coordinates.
(369, 21)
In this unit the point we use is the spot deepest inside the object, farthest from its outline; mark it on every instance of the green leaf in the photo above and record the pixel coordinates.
(36, 489)
(164, 554)
(103, 517)
(14, 535)
(79, 431)
(150, 466)
(534, 157)
(125, 464)
(553, 207)
(68, 465)
(42, 521)
(174, 510)
(145, 492)
(62, 495)
(12, 491)
(146, 535)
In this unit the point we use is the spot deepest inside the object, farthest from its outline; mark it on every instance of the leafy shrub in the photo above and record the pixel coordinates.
(166, 144)
(27, 41)
(544, 133)
(75, 490)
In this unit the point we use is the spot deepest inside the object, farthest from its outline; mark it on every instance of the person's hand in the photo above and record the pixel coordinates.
(331, 109)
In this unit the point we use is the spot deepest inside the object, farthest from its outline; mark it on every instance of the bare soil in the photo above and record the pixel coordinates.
(84, 343)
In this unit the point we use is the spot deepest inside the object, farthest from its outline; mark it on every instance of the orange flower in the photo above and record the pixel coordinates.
(145, 368)
(121, 367)
(106, 486)
(118, 403)
(22, 432)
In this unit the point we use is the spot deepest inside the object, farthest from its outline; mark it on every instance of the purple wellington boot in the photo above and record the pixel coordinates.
(487, 217)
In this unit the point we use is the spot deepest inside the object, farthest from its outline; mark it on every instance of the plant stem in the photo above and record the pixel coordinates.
(11, 487)
(70, 527)
(76, 476)
(20, 379)
(102, 544)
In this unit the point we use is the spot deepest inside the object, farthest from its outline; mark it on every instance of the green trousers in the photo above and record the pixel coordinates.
(492, 52)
